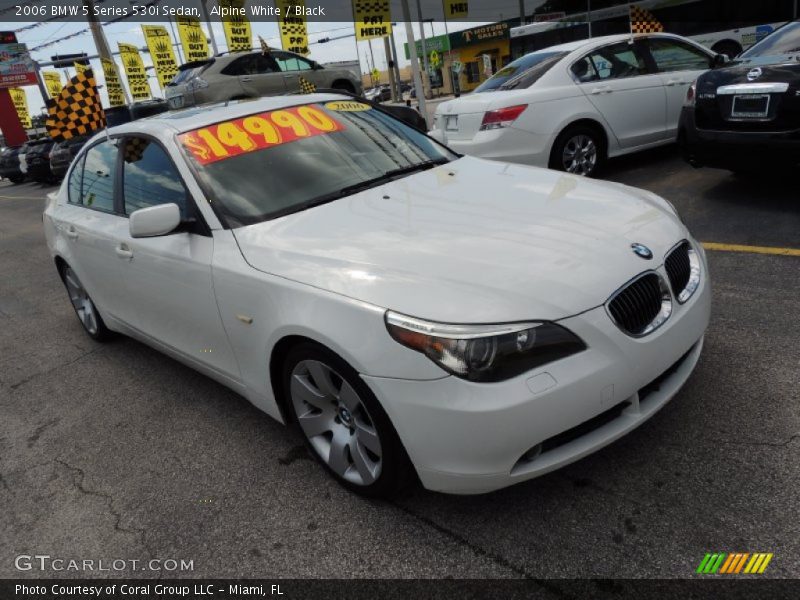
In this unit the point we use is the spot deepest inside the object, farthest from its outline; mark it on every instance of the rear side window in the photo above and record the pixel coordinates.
(148, 177)
(616, 61)
(97, 188)
(74, 185)
(252, 64)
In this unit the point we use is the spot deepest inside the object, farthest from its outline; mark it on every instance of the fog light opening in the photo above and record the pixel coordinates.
(532, 454)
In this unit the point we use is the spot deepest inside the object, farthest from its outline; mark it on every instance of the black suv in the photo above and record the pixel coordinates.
(62, 154)
(9, 165)
(38, 159)
(745, 116)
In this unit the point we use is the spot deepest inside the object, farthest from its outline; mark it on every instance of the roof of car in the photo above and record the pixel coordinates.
(601, 40)
(195, 117)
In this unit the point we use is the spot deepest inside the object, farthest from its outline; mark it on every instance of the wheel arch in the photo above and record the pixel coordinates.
(343, 84)
(593, 123)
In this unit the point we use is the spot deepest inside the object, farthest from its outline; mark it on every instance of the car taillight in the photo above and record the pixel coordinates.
(502, 117)
(691, 93)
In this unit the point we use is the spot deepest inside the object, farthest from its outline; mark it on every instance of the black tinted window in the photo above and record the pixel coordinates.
(785, 40)
(672, 55)
(149, 177)
(252, 64)
(616, 61)
(97, 190)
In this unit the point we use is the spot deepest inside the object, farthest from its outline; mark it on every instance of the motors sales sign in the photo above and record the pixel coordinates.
(16, 67)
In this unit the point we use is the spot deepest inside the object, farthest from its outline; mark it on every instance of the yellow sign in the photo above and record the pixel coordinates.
(372, 19)
(347, 106)
(116, 97)
(193, 38)
(161, 53)
(236, 26)
(294, 36)
(134, 71)
(52, 81)
(434, 59)
(455, 9)
(21, 104)
(81, 68)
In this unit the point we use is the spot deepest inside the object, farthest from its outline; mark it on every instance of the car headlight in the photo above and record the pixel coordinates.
(485, 352)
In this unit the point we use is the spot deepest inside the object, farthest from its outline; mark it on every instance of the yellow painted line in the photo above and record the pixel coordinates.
(764, 564)
(751, 249)
(22, 198)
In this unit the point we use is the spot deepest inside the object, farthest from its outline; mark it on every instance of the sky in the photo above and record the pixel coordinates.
(130, 32)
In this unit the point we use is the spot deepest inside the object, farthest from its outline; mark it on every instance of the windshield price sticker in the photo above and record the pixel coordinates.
(257, 132)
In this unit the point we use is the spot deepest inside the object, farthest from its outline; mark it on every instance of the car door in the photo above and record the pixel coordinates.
(620, 83)
(293, 67)
(169, 295)
(259, 75)
(679, 64)
(90, 223)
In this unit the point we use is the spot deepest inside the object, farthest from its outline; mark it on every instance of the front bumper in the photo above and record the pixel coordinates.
(469, 438)
(735, 149)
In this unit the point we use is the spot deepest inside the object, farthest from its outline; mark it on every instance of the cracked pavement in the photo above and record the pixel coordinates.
(116, 451)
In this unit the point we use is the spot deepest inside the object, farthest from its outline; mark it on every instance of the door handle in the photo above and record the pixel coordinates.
(246, 79)
(288, 76)
(676, 81)
(71, 233)
(123, 251)
(602, 89)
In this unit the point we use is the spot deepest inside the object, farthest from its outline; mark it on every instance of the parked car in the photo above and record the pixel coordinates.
(252, 75)
(571, 106)
(38, 159)
(411, 310)
(62, 154)
(382, 93)
(23, 163)
(9, 165)
(746, 116)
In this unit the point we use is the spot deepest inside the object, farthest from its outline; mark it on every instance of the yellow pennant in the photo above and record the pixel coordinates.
(134, 71)
(455, 9)
(116, 97)
(236, 26)
(21, 105)
(294, 35)
(161, 53)
(52, 81)
(193, 38)
(372, 19)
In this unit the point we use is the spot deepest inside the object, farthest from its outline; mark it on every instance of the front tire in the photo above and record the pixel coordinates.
(343, 424)
(579, 150)
(85, 309)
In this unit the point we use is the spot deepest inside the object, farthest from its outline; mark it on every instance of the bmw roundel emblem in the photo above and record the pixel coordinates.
(642, 251)
(754, 74)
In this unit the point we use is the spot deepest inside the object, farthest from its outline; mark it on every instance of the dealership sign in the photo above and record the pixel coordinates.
(16, 66)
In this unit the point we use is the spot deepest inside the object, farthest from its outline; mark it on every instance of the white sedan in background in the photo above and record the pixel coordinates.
(571, 106)
(471, 322)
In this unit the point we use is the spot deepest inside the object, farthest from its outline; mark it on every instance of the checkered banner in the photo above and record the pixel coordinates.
(294, 34)
(643, 21)
(77, 109)
(306, 87)
(134, 149)
(372, 19)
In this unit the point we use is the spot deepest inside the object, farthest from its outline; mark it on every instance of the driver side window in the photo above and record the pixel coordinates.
(288, 62)
(611, 62)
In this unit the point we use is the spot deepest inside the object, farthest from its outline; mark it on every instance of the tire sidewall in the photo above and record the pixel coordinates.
(556, 161)
(395, 465)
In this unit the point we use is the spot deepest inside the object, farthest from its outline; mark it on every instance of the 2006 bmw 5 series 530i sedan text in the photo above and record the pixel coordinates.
(416, 313)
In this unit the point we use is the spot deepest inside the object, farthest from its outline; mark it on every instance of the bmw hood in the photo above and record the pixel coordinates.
(471, 241)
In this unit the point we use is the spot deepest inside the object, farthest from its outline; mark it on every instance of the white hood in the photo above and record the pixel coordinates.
(472, 241)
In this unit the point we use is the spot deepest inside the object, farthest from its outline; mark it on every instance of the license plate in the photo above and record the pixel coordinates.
(750, 106)
(451, 123)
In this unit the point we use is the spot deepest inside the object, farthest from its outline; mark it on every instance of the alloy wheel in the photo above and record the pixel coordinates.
(580, 155)
(335, 421)
(80, 301)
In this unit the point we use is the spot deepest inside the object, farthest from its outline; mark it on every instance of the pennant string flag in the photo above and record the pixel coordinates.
(643, 21)
(77, 109)
(306, 87)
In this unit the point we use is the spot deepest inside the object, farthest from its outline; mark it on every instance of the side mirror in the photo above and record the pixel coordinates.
(719, 60)
(154, 220)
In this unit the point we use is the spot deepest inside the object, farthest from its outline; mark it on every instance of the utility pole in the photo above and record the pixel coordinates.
(175, 42)
(522, 12)
(372, 58)
(207, 19)
(396, 65)
(393, 84)
(422, 41)
(100, 42)
(412, 50)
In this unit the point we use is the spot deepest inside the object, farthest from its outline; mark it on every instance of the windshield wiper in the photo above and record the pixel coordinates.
(392, 174)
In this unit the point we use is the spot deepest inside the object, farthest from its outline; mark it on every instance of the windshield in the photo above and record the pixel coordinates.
(785, 40)
(517, 67)
(187, 74)
(271, 164)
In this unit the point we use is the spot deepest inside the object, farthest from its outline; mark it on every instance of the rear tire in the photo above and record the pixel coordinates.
(87, 312)
(343, 424)
(580, 150)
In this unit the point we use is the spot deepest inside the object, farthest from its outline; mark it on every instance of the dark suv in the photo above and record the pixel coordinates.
(9, 165)
(745, 116)
(62, 154)
(38, 159)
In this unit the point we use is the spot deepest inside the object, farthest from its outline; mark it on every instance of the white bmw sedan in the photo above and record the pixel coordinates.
(415, 313)
(569, 107)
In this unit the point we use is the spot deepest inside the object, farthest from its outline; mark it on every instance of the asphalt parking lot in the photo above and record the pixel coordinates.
(116, 451)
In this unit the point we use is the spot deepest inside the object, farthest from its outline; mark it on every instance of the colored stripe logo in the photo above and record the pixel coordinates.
(734, 563)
